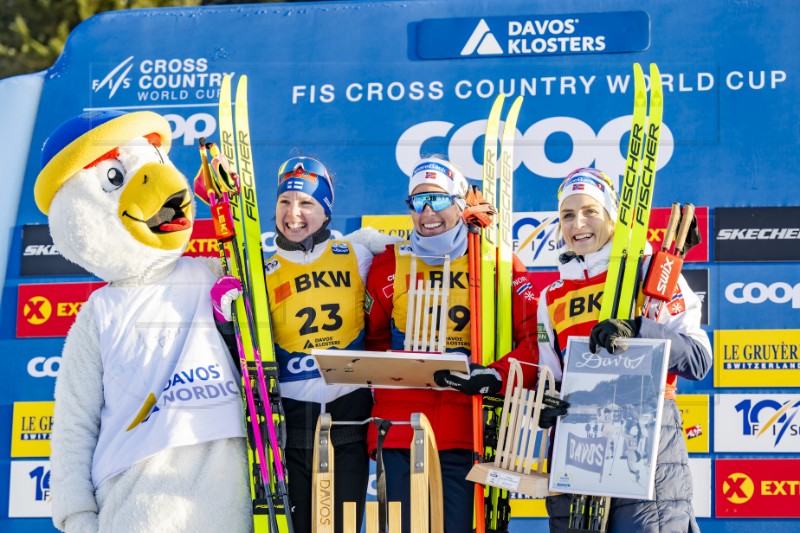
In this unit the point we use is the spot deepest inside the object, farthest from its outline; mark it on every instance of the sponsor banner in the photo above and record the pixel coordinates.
(694, 412)
(394, 225)
(538, 243)
(701, 486)
(203, 242)
(29, 489)
(698, 281)
(30, 429)
(536, 239)
(757, 423)
(772, 290)
(49, 309)
(40, 366)
(757, 358)
(534, 35)
(757, 234)
(757, 488)
(40, 257)
(659, 216)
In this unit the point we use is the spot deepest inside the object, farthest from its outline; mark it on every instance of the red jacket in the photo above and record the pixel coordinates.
(450, 412)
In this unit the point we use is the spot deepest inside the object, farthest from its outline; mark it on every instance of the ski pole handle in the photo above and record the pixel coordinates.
(683, 230)
(672, 226)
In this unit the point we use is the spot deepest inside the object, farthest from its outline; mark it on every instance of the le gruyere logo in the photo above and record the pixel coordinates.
(31, 427)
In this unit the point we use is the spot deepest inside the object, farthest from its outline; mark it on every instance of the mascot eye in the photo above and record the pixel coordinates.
(111, 174)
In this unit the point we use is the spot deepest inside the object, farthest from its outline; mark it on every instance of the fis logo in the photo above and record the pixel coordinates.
(482, 41)
(535, 239)
(118, 77)
(770, 417)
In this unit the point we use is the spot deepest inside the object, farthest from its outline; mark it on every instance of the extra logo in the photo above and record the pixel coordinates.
(37, 310)
(738, 488)
(48, 310)
(757, 488)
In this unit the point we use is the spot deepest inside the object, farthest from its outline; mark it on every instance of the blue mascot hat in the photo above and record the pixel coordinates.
(81, 140)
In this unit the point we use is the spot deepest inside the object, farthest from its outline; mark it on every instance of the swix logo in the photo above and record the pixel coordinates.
(738, 488)
(756, 293)
(37, 310)
(41, 249)
(482, 41)
(665, 269)
(118, 77)
(777, 420)
(601, 149)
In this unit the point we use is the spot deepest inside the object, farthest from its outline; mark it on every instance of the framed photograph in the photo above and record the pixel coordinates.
(388, 370)
(606, 445)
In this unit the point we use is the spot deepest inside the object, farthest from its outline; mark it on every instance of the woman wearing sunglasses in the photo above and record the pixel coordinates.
(587, 206)
(436, 202)
(316, 298)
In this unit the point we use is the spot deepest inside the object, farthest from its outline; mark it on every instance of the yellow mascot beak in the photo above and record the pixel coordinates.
(156, 207)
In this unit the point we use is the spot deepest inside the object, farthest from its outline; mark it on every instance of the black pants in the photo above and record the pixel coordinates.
(458, 493)
(351, 476)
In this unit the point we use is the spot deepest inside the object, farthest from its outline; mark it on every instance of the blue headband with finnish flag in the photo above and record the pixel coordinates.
(307, 175)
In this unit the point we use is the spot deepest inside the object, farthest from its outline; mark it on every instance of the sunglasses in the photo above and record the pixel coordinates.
(436, 200)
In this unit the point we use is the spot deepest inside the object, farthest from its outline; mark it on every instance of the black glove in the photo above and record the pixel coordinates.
(693, 238)
(608, 332)
(481, 380)
(552, 408)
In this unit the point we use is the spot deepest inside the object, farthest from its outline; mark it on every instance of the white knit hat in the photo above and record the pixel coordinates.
(590, 182)
(439, 172)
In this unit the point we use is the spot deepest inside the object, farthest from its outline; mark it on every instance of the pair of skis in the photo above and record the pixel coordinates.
(624, 277)
(490, 272)
(227, 183)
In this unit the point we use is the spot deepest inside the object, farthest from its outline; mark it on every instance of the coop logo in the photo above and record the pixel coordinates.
(599, 149)
(756, 293)
(161, 79)
(482, 41)
(44, 367)
(738, 488)
(37, 310)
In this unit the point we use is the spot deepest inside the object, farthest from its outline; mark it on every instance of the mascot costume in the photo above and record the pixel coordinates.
(148, 431)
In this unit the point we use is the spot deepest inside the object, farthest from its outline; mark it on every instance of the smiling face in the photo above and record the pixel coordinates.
(585, 224)
(298, 215)
(429, 222)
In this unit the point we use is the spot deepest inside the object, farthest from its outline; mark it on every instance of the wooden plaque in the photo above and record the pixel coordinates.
(386, 369)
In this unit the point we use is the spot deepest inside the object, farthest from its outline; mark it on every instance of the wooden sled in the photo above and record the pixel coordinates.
(514, 467)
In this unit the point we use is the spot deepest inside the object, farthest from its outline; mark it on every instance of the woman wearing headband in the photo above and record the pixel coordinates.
(316, 298)
(587, 206)
(436, 202)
